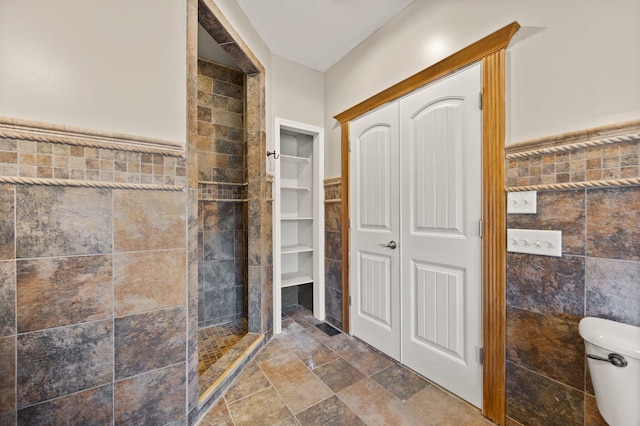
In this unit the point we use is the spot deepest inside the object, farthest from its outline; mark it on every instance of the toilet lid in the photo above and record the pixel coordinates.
(611, 335)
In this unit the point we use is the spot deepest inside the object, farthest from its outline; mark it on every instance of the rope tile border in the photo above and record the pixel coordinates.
(573, 137)
(574, 146)
(89, 184)
(575, 185)
(50, 133)
(603, 136)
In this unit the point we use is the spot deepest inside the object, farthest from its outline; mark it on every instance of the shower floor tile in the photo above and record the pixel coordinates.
(217, 340)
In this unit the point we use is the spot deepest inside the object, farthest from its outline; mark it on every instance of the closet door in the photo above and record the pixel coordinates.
(441, 245)
(375, 230)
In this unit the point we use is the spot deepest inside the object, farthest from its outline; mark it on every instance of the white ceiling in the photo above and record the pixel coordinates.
(318, 33)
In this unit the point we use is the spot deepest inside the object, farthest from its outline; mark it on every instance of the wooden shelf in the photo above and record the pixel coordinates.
(297, 248)
(294, 278)
(294, 159)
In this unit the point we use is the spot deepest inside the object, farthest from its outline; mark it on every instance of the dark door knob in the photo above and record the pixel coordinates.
(392, 245)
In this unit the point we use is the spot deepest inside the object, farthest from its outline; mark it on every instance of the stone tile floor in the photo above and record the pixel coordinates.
(217, 340)
(304, 377)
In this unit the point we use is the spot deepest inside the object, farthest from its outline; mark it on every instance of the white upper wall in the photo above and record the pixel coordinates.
(573, 65)
(118, 65)
(298, 95)
(298, 92)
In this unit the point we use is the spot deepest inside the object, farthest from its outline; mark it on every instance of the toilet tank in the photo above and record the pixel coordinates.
(617, 389)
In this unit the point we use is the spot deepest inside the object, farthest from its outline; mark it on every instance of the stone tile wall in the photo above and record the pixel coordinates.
(46, 160)
(333, 251)
(222, 207)
(93, 323)
(222, 264)
(547, 376)
(221, 145)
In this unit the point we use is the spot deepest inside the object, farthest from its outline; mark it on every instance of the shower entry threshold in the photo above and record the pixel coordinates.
(213, 382)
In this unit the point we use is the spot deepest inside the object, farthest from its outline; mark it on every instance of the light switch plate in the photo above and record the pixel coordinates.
(545, 243)
(522, 202)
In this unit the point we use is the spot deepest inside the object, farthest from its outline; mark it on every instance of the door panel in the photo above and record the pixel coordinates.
(441, 211)
(438, 302)
(375, 270)
(375, 293)
(375, 178)
(438, 203)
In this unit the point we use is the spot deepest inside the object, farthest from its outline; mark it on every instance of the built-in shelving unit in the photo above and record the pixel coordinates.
(299, 213)
(296, 208)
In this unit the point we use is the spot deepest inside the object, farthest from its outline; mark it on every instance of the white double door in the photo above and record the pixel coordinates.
(415, 257)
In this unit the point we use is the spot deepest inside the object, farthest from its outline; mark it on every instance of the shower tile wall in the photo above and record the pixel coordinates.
(333, 251)
(92, 301)
(222, 222)
(547, 377)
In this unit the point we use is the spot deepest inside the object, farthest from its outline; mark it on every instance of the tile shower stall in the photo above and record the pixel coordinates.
(222, 193)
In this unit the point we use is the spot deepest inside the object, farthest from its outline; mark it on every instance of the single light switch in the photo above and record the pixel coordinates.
(522, 202)
(545, 243)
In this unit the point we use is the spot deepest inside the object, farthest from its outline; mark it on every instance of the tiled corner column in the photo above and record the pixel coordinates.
(193, 252)
(547, 376)
(260, 250)
(333, 251)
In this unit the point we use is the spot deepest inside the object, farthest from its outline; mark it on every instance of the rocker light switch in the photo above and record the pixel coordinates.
(521, 202)
(545, 243)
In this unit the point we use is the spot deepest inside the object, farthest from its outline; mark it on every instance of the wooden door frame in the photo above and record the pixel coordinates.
(491, 52)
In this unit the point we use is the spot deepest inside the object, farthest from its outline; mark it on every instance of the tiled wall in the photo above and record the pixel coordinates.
(222, 266)
(41, 159)
(611, 161)
(92, 305)
(597, 275)
(222, 225)
(221, 147)
(333, 251)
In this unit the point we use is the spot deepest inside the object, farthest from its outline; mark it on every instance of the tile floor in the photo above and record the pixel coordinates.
(217, 340)
(305, 377)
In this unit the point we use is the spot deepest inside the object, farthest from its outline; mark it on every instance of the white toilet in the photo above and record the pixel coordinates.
(613, 351)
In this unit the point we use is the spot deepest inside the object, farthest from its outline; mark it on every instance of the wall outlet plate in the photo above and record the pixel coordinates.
(522, 202)
(545, 243)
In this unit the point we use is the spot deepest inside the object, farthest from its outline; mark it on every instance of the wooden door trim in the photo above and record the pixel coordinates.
(494, 236)
(491, 52)
(494, 42)
(346, 298)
